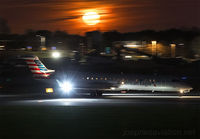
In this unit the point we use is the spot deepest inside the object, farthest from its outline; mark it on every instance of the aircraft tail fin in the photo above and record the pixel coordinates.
(37, 68)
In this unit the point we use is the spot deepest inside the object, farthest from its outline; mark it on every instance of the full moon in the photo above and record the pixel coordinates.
(91, 18)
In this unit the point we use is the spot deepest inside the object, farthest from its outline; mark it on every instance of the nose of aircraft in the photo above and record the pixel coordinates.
(185, 87)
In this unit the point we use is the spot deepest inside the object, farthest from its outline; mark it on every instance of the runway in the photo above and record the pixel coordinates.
(105, 100)
(117, 116)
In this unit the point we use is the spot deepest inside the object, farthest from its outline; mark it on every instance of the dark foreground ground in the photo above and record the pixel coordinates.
(106, 117)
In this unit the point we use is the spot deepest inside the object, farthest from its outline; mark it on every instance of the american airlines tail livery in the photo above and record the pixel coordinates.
(37, 68)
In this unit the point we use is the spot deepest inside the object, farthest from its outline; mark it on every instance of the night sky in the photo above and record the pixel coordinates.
(121, 15)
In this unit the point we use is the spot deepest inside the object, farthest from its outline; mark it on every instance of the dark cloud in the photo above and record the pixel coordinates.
(62, 19)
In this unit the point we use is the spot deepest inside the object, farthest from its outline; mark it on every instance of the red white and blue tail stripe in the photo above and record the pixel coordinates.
(37, 68)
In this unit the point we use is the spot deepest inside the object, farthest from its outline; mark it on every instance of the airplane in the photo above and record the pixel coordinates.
(97, 83)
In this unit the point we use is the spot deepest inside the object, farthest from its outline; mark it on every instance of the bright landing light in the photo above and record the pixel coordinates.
(91, 18)
(66, 86)
(181, 91)
(55, 54)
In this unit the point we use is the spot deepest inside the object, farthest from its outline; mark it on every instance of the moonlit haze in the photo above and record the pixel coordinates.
(80, 16)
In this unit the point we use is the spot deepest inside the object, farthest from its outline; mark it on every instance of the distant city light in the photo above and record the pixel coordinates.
(55, 54)
(2, 47)
(23, 49)
(173, 50)
(132, 45)
(173, 45)
(53, 48)
(153, 42)
(29, 47)
(128, 56)
(108, 50)
(43, 48)
(184, 78)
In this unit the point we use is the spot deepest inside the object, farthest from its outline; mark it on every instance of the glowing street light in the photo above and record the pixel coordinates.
(154, 47)
(153, 42)
(173, 50)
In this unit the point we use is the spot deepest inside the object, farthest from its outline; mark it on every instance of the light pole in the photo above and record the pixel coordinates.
(154, 48)
(173, 50)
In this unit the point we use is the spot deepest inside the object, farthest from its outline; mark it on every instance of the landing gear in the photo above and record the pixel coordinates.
(96, 94)
(92, 94)
(99, 94)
